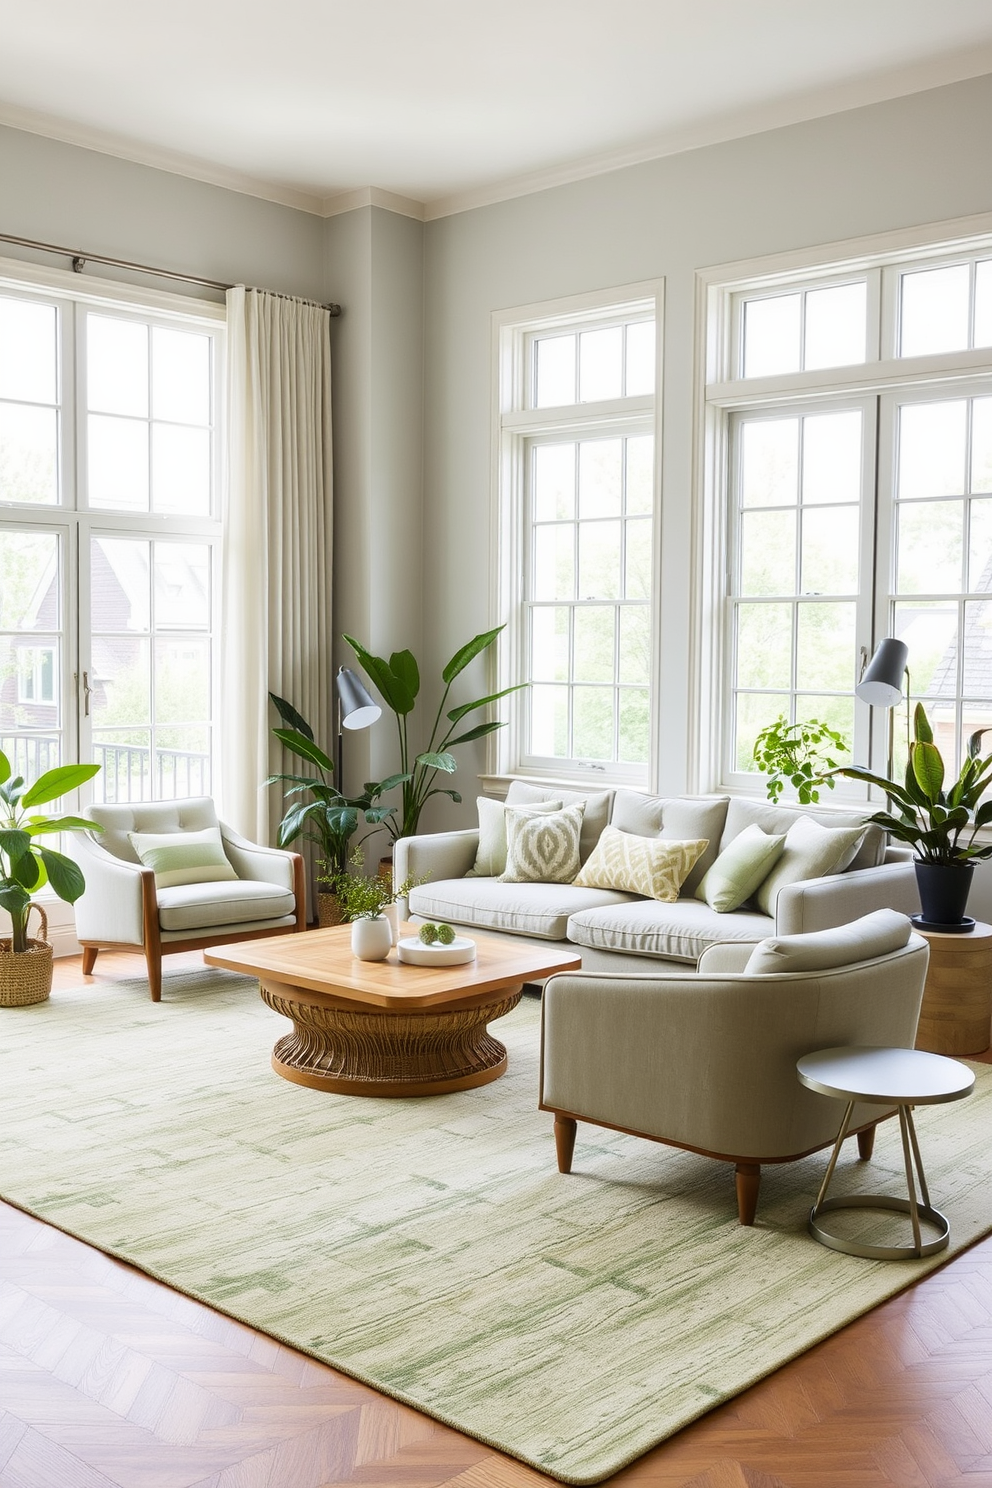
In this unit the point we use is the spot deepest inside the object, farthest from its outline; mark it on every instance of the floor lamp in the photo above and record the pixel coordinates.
(356, 710)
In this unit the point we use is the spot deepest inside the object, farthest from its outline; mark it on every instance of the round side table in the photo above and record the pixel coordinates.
(957, 1000)
(886, 1077)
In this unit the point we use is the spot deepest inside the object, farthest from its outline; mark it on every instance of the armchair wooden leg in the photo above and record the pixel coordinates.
(748, 1179)
(152, 935)
(90, 954)
(565, 1129)
(153, 960)
(866, 1143)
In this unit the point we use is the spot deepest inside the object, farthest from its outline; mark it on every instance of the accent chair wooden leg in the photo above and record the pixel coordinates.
(747, 1177)
(565, 1129)
(153, 960)
(90, 954)
(866, 1143)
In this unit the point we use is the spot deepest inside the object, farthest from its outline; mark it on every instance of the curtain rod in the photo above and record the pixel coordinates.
(78, 259)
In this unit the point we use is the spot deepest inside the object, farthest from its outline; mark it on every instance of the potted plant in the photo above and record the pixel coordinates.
(398, 680)
(328, 818)
(941, 824)
(798, 754)
(368, 901)
(26, 866)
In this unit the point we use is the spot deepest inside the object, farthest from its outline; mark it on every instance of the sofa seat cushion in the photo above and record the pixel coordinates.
(538, 909)
(199, 906)
(680, 931)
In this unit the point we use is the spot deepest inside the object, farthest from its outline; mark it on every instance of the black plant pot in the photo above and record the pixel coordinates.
(944, 890)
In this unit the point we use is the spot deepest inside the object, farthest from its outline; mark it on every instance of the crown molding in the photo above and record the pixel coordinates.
(372, 196)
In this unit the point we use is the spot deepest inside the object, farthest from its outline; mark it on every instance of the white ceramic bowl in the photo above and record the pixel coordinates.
(412, 950)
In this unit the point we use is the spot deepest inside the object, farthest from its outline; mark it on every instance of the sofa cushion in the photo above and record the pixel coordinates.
(542, 846)
(682, 817)
(877, 934)
(679, 932)
(810, 851)
(490, 856)
(596, 815)
(183, 857)
(742, 811)
(540, 910)
(741, 867)
(654, 866)
(198, 906)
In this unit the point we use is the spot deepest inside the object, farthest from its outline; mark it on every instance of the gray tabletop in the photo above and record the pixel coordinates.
(886, 1076)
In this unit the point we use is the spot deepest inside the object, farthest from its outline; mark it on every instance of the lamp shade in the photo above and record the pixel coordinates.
(358, 710)
(881, 685)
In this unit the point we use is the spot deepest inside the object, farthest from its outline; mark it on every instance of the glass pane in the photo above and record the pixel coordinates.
(29, 580)
(981, 444)
(768, 552)
(549, 721)
(180, 470)
(595, 643)
(555, 371)
(182, 586)
(28, 351)
(30, 733)
(836, 321)
(121, 596)
(120, 680)
(549, 643)
(930, 632)
(124, 756)
(600, 364)
(181, 766)
(30, 685)
(118, 463)
(934, 312)
(599, 560)
(554, 482)
(639, 560)
(640, 358)
(635, 727)
(832, 457)
(592, 723)
(830, 550)
(983, 304)
(182, 679)
(929, 548)
(764, 645)
(825, 653)
(977, 715)
(769, 462)
(931, 449)
(554, 562)
(116, 366)
(837, 713)
(600, 477)
(978, 649)
(180, 376)
(755, 711)
(635, 644)
(29, 463)
(640, 474)
(771, 335)
(980, 554)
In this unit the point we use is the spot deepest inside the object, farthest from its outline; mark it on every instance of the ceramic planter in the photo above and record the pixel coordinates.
(944, 890)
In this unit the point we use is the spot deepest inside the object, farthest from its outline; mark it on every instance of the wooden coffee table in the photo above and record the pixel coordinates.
(381, 1028)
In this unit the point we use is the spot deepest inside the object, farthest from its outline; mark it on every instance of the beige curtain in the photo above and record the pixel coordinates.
(276, 568)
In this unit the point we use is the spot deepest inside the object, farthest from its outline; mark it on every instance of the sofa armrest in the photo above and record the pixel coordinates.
(435, 856)
(110, 907)
(725, 956)
(823, 903)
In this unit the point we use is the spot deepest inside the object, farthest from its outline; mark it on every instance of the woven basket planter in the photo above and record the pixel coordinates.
(329, 911)
(26, 976)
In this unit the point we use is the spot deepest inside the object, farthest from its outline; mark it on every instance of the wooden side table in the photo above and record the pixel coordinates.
(956, 1016)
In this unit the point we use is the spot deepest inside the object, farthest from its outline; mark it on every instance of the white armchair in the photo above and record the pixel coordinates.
(121, 905)
(707, 1062)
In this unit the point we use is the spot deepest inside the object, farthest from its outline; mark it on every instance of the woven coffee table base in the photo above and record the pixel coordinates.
(376, 1052)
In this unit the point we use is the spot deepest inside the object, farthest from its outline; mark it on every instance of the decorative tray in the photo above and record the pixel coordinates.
(413, 950)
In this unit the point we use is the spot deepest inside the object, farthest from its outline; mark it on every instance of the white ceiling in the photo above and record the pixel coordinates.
(448, 102)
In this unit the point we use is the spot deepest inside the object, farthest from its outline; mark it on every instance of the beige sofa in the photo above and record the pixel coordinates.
(615, 931)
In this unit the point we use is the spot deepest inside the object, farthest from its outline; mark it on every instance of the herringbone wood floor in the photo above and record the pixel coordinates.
(108, 1378)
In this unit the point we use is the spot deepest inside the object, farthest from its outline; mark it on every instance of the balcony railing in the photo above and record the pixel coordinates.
(130, 772)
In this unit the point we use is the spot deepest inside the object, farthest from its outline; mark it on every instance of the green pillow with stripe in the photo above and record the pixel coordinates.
(183, 857)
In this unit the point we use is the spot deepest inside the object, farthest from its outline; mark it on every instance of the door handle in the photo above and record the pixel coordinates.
(87, 689)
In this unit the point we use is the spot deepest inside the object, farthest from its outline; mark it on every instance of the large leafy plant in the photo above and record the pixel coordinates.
(25, 865)
(321, 814)
(934, 820)
(398, 681)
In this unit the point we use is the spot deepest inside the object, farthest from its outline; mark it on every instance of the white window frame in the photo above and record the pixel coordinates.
(515, 426)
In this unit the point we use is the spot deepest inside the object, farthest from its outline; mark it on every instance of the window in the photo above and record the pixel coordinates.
(108, 532)
(850, 411)
(577, 504)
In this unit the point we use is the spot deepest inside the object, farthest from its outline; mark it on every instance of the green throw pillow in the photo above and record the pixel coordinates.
(740, 868)
(183, 857)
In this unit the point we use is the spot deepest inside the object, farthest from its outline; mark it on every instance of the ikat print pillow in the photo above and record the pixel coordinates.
(542, 848)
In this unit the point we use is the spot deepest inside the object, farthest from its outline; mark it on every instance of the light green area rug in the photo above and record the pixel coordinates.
(430, 1247)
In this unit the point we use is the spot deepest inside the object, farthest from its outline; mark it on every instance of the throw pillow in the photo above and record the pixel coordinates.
(542, 847)
(656, 867)
(490, 857)
(183, 857)
(877, 934)
(740, 868)
(811, 851)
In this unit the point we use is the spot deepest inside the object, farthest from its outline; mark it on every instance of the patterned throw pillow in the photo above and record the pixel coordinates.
(656, 867)
(183, 857)
(542, 848)
(490, 857)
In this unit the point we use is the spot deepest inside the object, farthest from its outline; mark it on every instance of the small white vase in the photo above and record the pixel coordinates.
(391, 913)
(371, 940)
